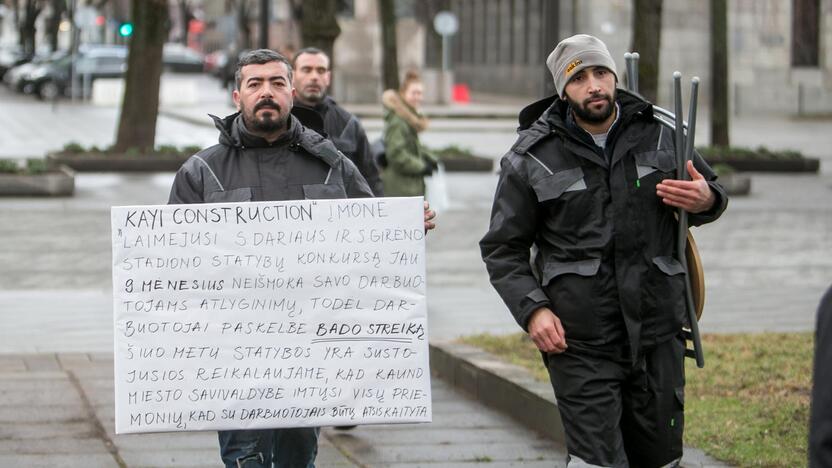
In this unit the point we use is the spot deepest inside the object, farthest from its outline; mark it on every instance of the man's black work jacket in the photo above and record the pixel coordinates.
(299, 165)
(605, 241)
(346, 132)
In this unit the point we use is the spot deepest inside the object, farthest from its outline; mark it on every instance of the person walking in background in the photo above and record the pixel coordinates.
(264, 154)
(408, 162)
(590, 183)
(311, 80)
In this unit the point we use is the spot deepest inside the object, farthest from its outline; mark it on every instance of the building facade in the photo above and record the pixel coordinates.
(780, 51)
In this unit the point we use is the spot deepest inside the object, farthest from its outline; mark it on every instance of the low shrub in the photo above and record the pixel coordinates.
(29, 167)
(9, 167)
(73, 147)
(36, 166)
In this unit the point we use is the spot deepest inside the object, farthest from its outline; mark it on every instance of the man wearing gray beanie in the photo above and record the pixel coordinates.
(590, 185)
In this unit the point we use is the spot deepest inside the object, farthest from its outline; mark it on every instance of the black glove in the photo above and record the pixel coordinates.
(430, 167)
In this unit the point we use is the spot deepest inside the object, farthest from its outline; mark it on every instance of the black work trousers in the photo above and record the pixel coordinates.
(619, 414)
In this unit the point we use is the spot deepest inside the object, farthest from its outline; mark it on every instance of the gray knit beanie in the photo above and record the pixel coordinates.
(575, 53)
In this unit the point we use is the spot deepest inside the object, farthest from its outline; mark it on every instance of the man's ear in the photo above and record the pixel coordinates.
(235, 96)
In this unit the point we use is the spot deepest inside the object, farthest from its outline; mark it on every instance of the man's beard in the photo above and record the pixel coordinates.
(583, 112)
(312, 97)
(268, 123)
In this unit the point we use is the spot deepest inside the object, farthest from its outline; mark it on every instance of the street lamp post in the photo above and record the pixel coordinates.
(446, 24)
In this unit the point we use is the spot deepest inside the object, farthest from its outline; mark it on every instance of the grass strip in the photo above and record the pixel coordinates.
(749, 406)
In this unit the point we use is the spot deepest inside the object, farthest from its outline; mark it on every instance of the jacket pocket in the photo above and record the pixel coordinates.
(324, 191)
(588, 267)
(572, 288)
(663, 299)
(241, 194)
(652, 161)
(668, 265)
(558, 183)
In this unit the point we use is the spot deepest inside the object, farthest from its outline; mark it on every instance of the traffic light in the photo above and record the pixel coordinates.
(125, 29)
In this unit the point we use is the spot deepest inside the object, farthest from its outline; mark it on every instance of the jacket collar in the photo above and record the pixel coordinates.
(554, 109)
(233, 132)
(551, 114)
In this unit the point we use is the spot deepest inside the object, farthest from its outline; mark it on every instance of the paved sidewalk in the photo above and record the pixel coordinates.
(57, 410)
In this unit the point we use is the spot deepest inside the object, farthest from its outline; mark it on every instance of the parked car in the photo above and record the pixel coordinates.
(178, 58)
(17, 78)
(53, 79)
(11, 57)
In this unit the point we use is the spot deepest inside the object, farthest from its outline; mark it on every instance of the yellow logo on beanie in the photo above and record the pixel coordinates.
(573, 65)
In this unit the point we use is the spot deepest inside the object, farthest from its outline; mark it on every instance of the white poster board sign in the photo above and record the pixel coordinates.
(270, 314)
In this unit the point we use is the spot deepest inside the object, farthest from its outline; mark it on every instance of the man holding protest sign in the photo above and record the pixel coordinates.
(266, 154)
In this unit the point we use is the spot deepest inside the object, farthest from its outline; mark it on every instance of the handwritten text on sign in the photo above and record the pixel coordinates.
(270, 314)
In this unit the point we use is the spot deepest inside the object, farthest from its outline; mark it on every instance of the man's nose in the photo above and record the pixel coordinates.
(266, 92)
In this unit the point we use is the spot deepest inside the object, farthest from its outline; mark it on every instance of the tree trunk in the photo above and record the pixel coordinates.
(244, 24)
(647, 34)
(389, 47)
(16, 11)
(31, 10)
(140, 106)
(54, 22)
(265, 19)
(719, 74)
(319, 27)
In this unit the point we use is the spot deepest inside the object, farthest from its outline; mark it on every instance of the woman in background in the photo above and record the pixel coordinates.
(408, 162)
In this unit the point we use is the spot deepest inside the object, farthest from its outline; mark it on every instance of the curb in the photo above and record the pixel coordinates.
(182, 117)
(59, 182)
(504, 387)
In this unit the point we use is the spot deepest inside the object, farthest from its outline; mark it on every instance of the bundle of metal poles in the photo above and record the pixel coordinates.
(684, 136)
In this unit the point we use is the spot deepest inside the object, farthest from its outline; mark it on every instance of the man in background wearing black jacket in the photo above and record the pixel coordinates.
(311, 81)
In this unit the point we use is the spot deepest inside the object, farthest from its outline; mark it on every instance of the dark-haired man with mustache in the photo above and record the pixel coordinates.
(590, 183)
(264, 154)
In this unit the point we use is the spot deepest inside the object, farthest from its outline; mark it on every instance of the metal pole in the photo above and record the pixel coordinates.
(631, 64)
(446, 52)
(670, 115)
(635, 71)
(679, 135)
(684, 152)
(683, 222)
(73, 49)
(628, 65)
